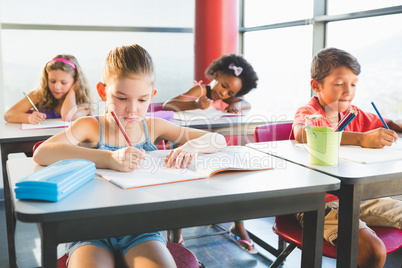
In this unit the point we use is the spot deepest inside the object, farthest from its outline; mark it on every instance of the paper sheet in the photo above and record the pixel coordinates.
(48, 123)
(199, 114)
(367, 155)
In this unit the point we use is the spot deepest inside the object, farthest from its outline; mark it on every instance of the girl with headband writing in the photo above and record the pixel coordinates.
(63, 93)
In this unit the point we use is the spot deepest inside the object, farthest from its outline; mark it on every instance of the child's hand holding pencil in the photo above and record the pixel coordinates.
(203, 102)
(36, 117)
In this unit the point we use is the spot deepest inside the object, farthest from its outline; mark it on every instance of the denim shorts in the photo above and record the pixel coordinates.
(118, 245)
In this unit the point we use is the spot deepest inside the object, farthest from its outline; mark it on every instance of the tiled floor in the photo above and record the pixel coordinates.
(215, 251)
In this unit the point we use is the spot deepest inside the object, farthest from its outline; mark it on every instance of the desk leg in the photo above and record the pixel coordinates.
(49, 245)
(313, 230)
(348, 225)
(10, 219)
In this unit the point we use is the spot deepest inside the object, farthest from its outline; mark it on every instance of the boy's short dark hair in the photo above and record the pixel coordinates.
(330, 58)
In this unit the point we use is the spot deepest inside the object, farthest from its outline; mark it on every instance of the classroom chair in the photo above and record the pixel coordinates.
(154, 107)
(288, 228)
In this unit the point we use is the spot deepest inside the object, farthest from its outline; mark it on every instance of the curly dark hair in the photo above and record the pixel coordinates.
(248, 76)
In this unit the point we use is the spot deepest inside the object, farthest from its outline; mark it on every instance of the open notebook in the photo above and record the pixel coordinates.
(48, 123)
(154, 172)
(199, 114)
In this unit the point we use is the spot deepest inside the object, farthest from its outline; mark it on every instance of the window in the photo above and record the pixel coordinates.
(281, 58)
(263, 12)
(24, 61)
(279, 39)
(376, 43)
(346, 6)
(33, 33)
(139, 13)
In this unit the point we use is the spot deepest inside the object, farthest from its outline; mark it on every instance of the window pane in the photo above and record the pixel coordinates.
(151, 13)
(347, 6)
(263, 12)
(282, 60)
(23, 61)
(380, 56)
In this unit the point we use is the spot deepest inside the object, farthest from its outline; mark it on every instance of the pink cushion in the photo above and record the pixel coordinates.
(290, 230)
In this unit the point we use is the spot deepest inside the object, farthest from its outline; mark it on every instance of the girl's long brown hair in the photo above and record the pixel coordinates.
(80, 86)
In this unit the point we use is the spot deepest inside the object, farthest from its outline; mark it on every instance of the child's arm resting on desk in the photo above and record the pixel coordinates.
(236, 105)
(70, 111)
(376, 138)
(65, 145)
(19, 112)
(395, 125)
(194, 98)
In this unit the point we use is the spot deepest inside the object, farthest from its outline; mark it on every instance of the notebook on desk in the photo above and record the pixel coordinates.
(48, 123)
(367, 155)
(199, 114)
(154, 172)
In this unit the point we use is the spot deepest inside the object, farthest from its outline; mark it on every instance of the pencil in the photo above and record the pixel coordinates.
(121, 128)
(353, 115)
(338, 126)
(346, 119)
(189, 96)
(33, 105)
(379, 115)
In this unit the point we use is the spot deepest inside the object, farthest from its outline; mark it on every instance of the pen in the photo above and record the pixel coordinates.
(121, 128)
(33, 105)
(379, 115)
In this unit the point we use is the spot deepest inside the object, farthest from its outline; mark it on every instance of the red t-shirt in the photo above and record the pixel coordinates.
(363, 121)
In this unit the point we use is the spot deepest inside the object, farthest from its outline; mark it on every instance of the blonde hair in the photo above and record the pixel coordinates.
(80, 86)
(128, 62)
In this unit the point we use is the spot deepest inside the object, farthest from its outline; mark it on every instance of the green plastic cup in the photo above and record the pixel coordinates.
(323, 145)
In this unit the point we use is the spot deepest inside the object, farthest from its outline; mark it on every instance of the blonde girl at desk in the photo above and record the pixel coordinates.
(232, 78)
(63, 93)
(127, 89)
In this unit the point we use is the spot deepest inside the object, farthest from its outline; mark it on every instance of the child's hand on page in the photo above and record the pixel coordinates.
(378, 138)
(232, 108)
(35, 118)
(203, 102)
(179, 158)
(127, 159)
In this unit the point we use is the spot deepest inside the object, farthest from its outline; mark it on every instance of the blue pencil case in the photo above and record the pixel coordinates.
(56, 181)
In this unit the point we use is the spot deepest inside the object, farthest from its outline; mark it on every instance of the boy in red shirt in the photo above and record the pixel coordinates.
(334, 75)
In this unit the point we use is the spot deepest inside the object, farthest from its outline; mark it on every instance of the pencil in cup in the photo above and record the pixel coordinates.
(30, 101)
(379, 115)
(121, 128)
(346, 119)
(341, 121)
